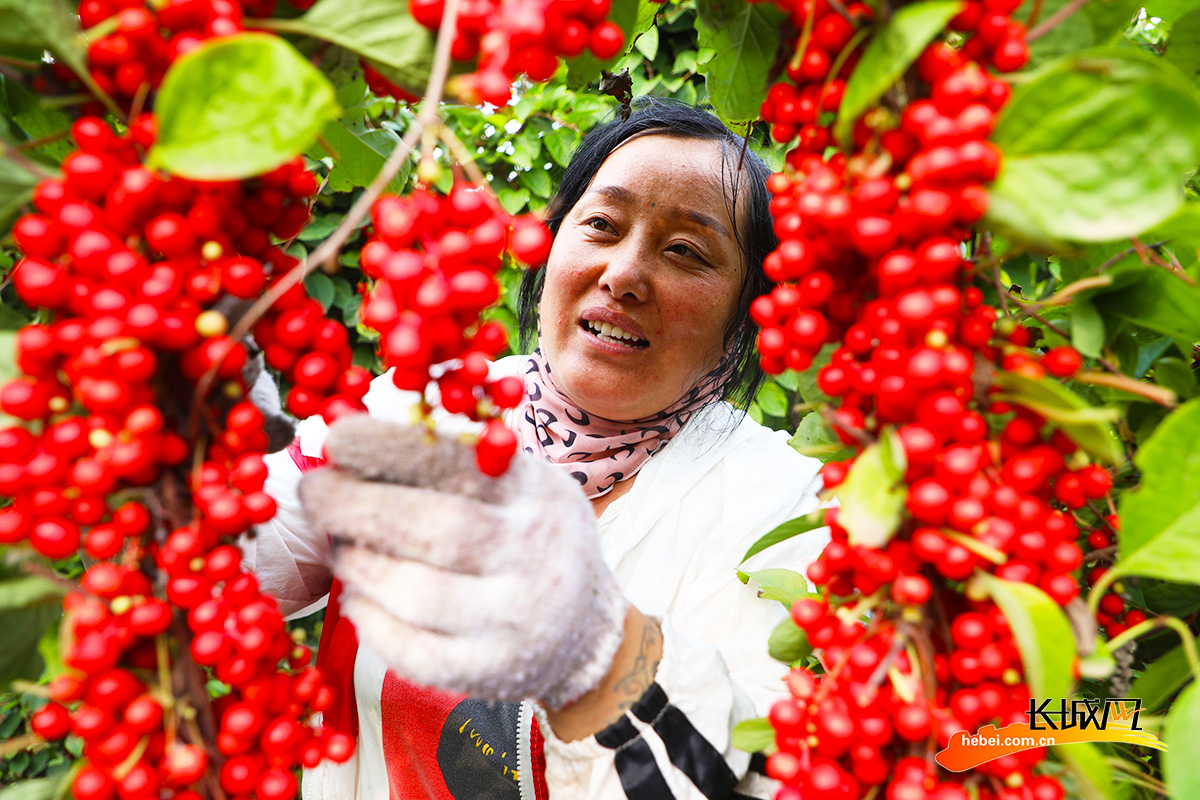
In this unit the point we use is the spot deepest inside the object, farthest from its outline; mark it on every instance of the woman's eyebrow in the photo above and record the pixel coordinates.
(623, 195)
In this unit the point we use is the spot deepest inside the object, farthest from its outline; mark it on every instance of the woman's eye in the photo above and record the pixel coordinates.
(598, 223)
(684, 250)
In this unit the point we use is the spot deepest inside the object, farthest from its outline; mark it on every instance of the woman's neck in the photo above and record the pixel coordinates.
(605, 500)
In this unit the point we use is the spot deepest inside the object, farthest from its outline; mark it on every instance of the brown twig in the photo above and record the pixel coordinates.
(1103, 552)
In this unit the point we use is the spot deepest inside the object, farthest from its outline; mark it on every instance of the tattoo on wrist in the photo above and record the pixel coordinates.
(637, 679)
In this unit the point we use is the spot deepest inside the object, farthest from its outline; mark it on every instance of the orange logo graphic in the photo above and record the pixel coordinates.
(1086, 720)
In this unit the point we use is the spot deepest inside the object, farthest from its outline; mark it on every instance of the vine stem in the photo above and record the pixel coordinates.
(329, 249)
(1175, 624)
(1054, 20)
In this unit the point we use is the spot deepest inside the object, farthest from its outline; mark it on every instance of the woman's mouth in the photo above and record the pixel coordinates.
(607, 332)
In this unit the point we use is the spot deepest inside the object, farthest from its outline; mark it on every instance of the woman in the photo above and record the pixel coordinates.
(609, 620)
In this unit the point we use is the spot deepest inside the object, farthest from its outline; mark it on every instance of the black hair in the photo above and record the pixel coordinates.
(755, 235)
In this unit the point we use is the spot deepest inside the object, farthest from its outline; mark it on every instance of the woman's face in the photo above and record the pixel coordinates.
(642, 279)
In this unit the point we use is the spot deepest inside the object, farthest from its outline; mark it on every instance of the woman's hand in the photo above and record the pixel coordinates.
(493, 587)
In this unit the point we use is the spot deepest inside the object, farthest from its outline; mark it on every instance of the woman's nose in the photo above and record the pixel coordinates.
(626, 273)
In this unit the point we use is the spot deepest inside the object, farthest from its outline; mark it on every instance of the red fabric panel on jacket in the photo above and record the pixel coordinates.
(538, 759)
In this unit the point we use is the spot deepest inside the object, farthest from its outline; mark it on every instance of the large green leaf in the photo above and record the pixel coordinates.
(786, 530)
(1160, 519)
(239, 106)
(1042, 633)
(888, 56)
(1095, 148)
(745, 37)
(1165, 597)
(1087, 426)
(1161, 679)
(872, 495)
(1181, 768)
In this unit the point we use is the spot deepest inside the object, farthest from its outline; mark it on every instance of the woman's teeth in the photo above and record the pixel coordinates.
(611, 333)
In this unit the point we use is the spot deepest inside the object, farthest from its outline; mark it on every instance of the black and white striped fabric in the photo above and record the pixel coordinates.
(689, 752)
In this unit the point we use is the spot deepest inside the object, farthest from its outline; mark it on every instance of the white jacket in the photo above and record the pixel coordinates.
(674, 542)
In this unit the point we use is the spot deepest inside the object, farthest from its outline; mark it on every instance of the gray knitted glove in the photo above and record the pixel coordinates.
(493, 587)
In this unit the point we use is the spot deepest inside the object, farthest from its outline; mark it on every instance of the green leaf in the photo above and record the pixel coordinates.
(814, 438)
(23, 627)
(320, 288)
(1161, 679)
(382, 31)
(1087, 328)
(1160, 519)
(1072, 34)
(1042, 633)
(1088, 427)
(239, 106)
(36, 119)
(38, 789)
(754, 735)
(888, 55)
(788, 643)
(1093, 777)
(1155, 299)
(1176, 599)
(1170, 10)
(745, 37)
(1183, 48)
(318, 229)
(806, 381)
(1095, 146)
(783, 585)
(1176, 375)
(785, 531)
(361, 153)
(49, 24)
(1181, 768)
(647, 43)
(561, 143)
(16, 186)
(872, 495)
(538, 182)
(773, 399)
(24, 591)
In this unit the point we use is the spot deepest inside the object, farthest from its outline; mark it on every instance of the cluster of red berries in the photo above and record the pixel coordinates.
(852, 730)
(526, 36)
(130, 266)
(433, 260)
(871, 258)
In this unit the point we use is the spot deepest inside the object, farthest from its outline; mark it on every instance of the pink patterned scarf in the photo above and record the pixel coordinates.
(598, 452)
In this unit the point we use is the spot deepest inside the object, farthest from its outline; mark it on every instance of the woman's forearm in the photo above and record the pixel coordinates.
(632, 671)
